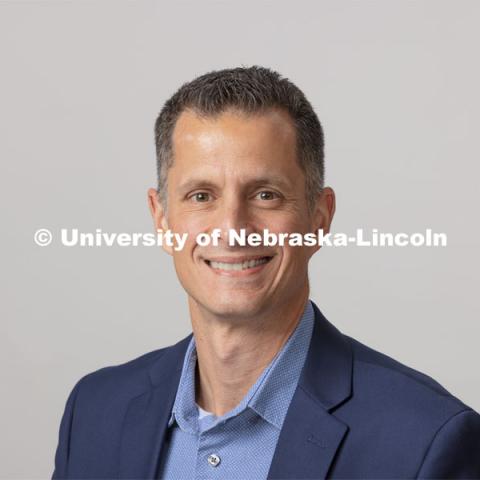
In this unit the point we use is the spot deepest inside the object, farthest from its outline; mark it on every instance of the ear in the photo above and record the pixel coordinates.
(323, 213)
(159, 215)
(324, 210)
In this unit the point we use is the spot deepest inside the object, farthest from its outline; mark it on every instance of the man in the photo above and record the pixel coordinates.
(265, 387)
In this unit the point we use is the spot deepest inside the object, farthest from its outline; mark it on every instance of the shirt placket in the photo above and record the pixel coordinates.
(211, 462)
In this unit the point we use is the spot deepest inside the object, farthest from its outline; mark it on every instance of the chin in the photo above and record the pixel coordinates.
(234, 305)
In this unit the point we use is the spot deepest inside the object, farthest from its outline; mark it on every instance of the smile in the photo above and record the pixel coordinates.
(238, 265)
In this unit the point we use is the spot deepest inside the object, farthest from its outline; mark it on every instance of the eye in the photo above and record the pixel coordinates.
(267, 195)
(200, 197)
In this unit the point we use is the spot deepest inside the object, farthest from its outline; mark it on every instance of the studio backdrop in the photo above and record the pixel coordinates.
(395, 85)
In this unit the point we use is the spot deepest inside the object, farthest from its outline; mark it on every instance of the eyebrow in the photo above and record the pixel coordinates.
(273, 180)
(194, 183)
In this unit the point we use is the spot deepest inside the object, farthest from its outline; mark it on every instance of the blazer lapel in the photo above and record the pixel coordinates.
(145, 423)
(308, 441)
(311, 434)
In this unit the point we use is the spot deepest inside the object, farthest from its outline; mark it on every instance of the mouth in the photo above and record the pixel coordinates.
(239, 265)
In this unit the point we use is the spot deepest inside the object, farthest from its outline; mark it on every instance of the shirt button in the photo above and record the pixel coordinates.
(213, 459)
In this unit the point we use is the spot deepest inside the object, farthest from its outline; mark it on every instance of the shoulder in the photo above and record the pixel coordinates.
(399, 391)
(129, 379)
(382, 365)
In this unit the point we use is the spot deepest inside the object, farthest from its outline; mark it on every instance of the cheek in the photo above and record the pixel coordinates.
(286, 224)
(189, 224)
(294, 258)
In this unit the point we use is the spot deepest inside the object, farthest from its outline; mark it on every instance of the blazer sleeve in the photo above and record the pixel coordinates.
(455, 449)
(63, 447)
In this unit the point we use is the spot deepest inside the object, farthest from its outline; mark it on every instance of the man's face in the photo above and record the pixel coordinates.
(232, 172)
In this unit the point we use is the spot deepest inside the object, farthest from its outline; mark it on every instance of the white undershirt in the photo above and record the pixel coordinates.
(202, 413)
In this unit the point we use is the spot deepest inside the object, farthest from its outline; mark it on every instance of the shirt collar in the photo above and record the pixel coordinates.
(272, 399)
(269, 396)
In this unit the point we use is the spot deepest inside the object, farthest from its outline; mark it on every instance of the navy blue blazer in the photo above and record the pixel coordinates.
(356, 413)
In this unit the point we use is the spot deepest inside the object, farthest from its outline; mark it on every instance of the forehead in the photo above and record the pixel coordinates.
(234, 135)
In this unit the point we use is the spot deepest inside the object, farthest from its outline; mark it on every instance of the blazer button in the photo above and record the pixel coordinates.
(213, 460)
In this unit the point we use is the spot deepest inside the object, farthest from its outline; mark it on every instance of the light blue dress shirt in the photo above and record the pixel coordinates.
(239, 444)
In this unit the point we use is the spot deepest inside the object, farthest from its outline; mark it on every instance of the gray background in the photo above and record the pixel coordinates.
(395, 84)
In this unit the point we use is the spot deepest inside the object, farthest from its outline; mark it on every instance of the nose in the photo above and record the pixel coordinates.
(233, 214)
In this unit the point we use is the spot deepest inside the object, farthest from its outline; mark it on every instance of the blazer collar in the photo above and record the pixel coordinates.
(327, 373)
(310, 434)
(145, 423)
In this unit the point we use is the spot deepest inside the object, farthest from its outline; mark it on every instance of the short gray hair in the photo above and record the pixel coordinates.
(250, 90)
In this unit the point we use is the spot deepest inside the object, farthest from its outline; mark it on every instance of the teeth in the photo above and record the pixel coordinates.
(238, 266)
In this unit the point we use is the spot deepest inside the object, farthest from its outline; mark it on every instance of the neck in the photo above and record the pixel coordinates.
(231, 356)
